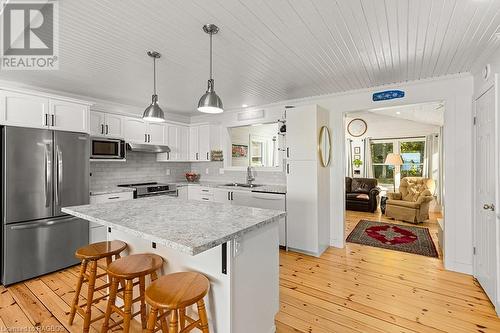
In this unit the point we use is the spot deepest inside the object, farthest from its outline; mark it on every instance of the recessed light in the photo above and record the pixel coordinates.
(244, 105)
(398, 112)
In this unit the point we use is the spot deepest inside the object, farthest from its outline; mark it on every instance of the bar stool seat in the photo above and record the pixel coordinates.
(89, 256)
(123, 271)
(171, 295)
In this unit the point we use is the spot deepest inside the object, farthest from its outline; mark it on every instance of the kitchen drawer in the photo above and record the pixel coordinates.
(201, 193)
(110, 197)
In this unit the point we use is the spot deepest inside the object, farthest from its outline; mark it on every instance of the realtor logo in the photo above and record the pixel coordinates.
(29, 35)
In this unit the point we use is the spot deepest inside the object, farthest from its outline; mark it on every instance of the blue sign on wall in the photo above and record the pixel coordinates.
(388, 94)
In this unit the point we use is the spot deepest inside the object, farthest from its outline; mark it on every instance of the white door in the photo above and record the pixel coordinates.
(173, 137)
(204, 142)
(194, 144)
(156, 134)
(23, 110)
(222, 195)
(68, 116)
(113, 126)
(485, 217)
(96, 125)
(134, 130)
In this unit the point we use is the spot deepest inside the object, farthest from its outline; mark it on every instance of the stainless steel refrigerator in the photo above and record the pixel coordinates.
(42, 171)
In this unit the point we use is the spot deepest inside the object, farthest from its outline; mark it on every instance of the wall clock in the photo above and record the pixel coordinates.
(357, 127)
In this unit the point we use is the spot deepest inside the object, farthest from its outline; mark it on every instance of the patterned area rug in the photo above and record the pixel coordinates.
(416, 240)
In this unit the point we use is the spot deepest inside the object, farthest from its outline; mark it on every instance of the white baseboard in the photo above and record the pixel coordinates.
(338, 243)
(459, 267)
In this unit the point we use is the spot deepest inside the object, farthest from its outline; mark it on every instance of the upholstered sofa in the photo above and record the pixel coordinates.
(411, 204)
(361, 194)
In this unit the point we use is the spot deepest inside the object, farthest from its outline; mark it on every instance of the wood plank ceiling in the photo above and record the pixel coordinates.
(266, 51)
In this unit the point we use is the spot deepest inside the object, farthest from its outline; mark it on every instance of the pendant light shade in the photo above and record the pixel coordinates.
(153, 112)
(210, 102)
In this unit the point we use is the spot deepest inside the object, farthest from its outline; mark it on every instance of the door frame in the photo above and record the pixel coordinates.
(490, 84)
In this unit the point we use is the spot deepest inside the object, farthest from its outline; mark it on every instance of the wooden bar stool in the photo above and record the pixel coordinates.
(170, 295)
(90, 255)
(136, 266)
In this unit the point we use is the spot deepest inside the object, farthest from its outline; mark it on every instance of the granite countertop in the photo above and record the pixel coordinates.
(110, 190)
(269, 188)
(190, 226)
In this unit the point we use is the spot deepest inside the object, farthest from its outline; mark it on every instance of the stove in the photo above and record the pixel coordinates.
(142, 190)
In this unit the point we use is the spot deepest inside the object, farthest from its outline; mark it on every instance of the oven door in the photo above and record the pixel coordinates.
(102, 148)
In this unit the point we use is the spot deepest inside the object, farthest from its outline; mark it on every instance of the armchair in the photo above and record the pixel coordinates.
(361, 194)
(411, 204)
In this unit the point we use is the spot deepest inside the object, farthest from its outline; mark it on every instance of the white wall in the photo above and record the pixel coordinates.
(456, 92)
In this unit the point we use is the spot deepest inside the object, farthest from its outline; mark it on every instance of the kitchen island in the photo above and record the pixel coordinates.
(235, 247)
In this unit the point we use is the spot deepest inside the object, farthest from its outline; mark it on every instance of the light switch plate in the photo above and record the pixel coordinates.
(206, 171)
(168, 172)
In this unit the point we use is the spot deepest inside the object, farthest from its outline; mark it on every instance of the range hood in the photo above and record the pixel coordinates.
(145, 148)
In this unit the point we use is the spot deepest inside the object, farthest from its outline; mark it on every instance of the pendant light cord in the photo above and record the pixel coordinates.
(211, 34)
(154, 75)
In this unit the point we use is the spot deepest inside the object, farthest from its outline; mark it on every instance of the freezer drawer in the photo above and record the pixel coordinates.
(38, 247)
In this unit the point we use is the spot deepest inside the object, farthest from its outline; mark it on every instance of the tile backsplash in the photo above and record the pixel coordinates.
(139, 167)
(142, 167)
(264, 177)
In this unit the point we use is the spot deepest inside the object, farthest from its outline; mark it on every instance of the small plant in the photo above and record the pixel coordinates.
(357, 163)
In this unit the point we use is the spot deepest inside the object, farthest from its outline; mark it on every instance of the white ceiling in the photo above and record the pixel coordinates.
(266, 51)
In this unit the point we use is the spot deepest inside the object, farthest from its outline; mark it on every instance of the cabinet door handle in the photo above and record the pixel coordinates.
(168, 155)
(145, 138)
(288, 168)
(106, 129)
(197, 156)
(102, 128)
(232, 196)
(111, 198)
(207, 156)
(149, 137)
(46, 119)
(228, 196)
(287, 152)
(53, 119)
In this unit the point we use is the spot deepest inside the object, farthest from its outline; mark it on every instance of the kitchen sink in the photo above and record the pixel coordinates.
(243, 185)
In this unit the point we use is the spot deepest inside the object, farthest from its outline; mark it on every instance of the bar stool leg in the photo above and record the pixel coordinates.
(182, 318)
(83, 268)
(111, 303)
(127, 308)
(142, 292)
(163, 321)
(90, 295)
(173, 324)
(151, 325)
(202, 312)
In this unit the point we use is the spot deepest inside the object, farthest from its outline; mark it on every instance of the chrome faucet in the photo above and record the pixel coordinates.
(250, 175)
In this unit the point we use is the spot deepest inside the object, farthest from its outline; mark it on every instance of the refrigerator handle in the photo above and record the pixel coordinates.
(48, 176)
(59, 162)
(33, 225)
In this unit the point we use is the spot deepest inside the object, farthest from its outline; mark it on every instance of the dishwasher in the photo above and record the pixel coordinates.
(275, 201)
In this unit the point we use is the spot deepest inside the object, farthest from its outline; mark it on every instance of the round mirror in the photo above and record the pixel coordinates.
(325, 146)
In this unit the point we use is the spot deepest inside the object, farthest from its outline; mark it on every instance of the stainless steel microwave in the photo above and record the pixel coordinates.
(105, 148)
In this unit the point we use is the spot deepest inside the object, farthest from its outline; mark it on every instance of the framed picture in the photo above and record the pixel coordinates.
(239, 151)
(357, 150)
(357, 157)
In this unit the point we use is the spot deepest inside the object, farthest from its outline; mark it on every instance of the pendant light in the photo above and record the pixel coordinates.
(210, 102)
(153, 112)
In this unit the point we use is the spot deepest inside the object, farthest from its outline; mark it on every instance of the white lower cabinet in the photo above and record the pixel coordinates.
(97, 232)
(182, 192)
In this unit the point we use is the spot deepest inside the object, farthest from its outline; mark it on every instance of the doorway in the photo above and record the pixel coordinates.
(394, 178)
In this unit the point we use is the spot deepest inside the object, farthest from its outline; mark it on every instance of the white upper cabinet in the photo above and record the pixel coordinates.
(27, 110)
(204, 142)
(139, 131)
(23, 110)
(177, 138)
(156, 132)
(134, 130)
(68, 116)
(301, 128)
(203, 139)
(194, 154)
(106, 124)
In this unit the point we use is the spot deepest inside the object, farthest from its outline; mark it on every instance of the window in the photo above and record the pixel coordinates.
(412, 152)
(384, 173)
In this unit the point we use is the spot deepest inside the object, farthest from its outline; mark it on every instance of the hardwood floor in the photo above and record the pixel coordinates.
(356, 289)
